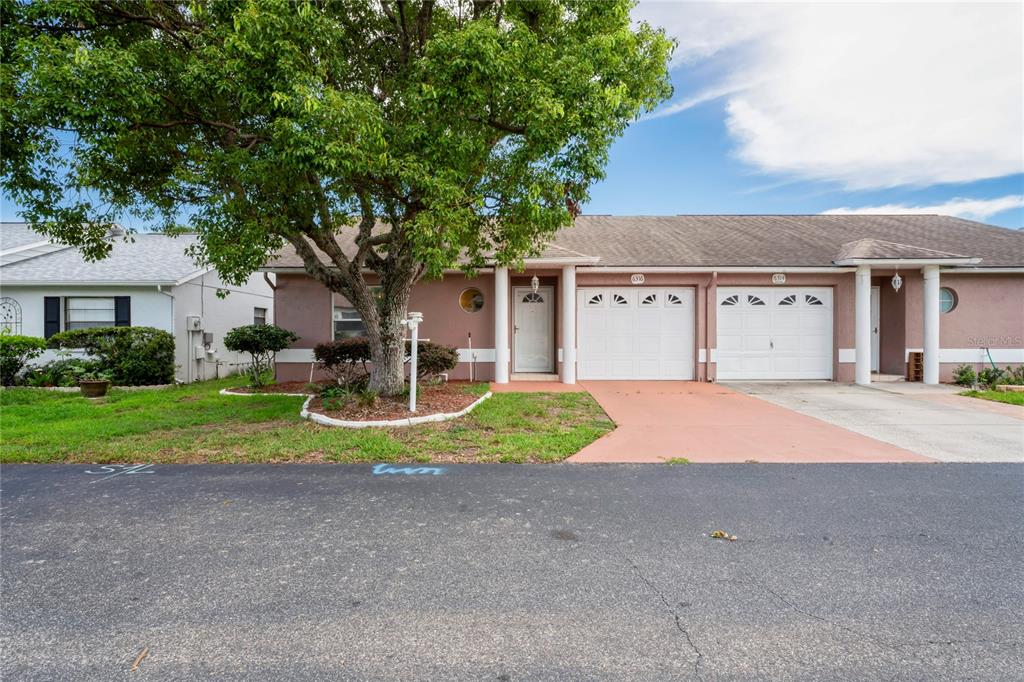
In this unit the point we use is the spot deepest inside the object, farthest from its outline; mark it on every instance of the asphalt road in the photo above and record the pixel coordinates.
(514, 572)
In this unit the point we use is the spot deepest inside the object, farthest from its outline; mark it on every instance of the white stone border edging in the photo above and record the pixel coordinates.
(228, 391)
(324, 420)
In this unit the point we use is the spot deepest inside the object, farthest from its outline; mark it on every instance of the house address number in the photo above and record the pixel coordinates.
(779, 278)
(636, 279)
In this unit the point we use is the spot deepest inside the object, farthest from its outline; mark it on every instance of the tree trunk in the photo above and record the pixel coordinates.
(386, 334)
(387, 353)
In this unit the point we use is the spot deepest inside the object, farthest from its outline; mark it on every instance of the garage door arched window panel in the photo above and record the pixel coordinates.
(10, 315)
(595, 300)
(812, 300)
(754, 300)
(731, 300)
(788, 300)
(947, 300)
(673, 299)
(649, 299)
(533, 297)
(619, 300)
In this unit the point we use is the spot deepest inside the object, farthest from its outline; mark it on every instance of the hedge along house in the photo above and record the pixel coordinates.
(151, 281)
(711, 298)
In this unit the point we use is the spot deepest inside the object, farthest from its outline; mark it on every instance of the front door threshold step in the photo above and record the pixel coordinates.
(533, 376)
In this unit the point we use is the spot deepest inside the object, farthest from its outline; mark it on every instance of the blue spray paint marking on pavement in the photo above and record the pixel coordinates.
(388, 469)
(112, 470)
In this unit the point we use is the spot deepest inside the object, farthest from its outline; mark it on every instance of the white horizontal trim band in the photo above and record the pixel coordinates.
(295, 355)
(476, 354)
(976, 355)
(707, 269)
(465, 355)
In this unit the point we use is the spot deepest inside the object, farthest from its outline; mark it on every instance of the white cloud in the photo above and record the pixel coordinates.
(974, 209)
(867, 94)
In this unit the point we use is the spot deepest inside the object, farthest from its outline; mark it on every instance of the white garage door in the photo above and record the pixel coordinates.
(774, 333)
(638, 333)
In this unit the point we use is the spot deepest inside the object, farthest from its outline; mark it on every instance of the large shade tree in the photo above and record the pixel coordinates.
(435, 134)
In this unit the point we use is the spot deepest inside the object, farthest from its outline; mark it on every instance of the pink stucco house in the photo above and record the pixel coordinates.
(712, 298)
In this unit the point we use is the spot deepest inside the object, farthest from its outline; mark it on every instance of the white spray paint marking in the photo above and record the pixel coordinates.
(112, 470)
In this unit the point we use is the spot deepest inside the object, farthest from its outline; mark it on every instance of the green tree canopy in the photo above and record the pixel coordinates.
(440, 134)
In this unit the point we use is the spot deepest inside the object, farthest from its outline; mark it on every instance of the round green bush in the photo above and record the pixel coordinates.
(15, 352)
(132, 356)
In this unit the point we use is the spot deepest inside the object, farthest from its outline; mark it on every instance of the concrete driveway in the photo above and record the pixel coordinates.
(932, 421)
(660, 420)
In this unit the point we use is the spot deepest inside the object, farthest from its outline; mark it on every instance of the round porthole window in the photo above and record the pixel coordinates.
(947, 299)
(471, 300)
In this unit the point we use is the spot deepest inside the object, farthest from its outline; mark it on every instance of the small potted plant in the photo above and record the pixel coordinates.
(94, 384)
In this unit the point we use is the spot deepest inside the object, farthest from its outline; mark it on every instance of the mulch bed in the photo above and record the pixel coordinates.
(283, 387)
(432, 399)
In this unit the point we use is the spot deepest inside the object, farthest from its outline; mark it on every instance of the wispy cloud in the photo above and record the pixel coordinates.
(975, 209)
(868, 95)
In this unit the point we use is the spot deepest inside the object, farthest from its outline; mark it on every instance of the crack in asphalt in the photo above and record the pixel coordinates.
(675, 616)
(810, 614)
(872, 638)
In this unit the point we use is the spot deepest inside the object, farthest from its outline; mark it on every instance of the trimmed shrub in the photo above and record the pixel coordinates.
(964, 375)
(261, 342)
(433, 359)
(990, 376)
(15, 352)
(345, 360)
(132, 356)
(1013, 376)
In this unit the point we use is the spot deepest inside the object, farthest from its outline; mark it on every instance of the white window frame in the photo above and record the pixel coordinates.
(66, 310)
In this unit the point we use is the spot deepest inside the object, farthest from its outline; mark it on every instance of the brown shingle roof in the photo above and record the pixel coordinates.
(779, 240)
(761, 240)
(878, 249)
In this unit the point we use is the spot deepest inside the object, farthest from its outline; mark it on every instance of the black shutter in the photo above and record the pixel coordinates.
(51, 315)
(122, 311)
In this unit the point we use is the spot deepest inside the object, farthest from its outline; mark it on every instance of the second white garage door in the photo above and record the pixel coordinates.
(638, 333)
(774, 333)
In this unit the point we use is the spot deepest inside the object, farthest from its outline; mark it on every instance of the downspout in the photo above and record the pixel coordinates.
(712, 284)
(174, 331)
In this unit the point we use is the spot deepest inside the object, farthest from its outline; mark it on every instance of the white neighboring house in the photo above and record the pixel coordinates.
(149, 281)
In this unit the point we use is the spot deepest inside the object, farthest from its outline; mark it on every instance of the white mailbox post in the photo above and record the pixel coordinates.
(413, 323)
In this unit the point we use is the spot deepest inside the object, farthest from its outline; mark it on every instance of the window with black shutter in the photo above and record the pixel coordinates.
(122, 311)
(51, 315)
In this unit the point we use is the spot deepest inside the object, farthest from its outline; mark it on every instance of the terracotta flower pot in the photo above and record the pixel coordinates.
(93, 389)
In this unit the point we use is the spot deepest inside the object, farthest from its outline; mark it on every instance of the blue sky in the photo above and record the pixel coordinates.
(788, 108)
(828, 107)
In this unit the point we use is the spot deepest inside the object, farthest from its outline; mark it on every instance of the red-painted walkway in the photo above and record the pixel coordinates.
(659, 420)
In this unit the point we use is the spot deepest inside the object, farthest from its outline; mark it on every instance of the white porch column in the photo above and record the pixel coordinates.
(931, 324)
(862, 326)
(569, 324)
(501, 325)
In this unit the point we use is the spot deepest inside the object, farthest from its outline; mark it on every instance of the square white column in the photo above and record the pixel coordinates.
(862, 326)
(931, 324)
(569, 324)
(501, 347)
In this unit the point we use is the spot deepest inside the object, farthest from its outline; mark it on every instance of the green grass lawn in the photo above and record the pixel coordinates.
(197, 424)
(1011, 397)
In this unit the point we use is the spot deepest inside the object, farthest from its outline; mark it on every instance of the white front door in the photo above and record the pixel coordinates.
(774, 333)
(635, 333)
(875, 297)
(534, 327)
